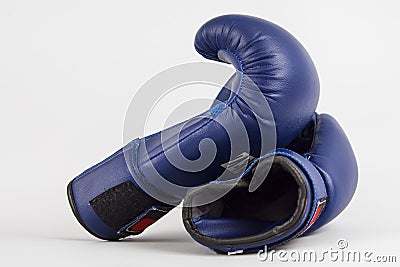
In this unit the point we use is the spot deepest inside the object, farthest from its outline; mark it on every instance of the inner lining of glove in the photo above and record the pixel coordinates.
(240, 213)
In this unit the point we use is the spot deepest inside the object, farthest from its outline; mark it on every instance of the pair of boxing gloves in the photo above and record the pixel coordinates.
(278, 170)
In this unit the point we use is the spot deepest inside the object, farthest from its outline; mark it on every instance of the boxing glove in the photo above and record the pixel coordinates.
(267, 102)
(309, 183)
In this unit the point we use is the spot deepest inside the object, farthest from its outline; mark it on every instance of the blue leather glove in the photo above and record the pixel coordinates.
(309, 183)
(272, 96)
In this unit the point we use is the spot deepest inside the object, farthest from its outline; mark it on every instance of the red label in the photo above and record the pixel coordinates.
(142, 224)
(320, 207)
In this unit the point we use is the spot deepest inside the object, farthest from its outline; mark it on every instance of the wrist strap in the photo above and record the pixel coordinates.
(127, 209)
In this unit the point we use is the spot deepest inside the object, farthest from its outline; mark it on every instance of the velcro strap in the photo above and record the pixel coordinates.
(127, 209)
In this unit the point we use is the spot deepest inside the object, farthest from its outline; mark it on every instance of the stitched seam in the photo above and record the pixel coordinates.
(302, 165)
(315, 200)
(229, 103)
(139, 174)
(209, 120)
(317, 125)
(241, 70)
(283, 152)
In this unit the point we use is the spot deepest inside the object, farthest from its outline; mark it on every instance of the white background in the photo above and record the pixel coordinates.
(69, 70)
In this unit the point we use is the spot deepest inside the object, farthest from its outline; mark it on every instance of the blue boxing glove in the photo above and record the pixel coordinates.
(305, 186)
(269, 100)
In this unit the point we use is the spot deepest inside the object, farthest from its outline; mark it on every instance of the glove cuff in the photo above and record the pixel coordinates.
(108, 202)
(239, 234)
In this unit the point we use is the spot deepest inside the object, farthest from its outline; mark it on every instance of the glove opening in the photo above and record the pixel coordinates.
(241, 217)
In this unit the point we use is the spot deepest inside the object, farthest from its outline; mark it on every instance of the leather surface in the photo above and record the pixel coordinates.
(264, 55)
(232, 227)
(329, 167)
(94, 181)
(333, 156)
(210, 227)
(276, 63)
